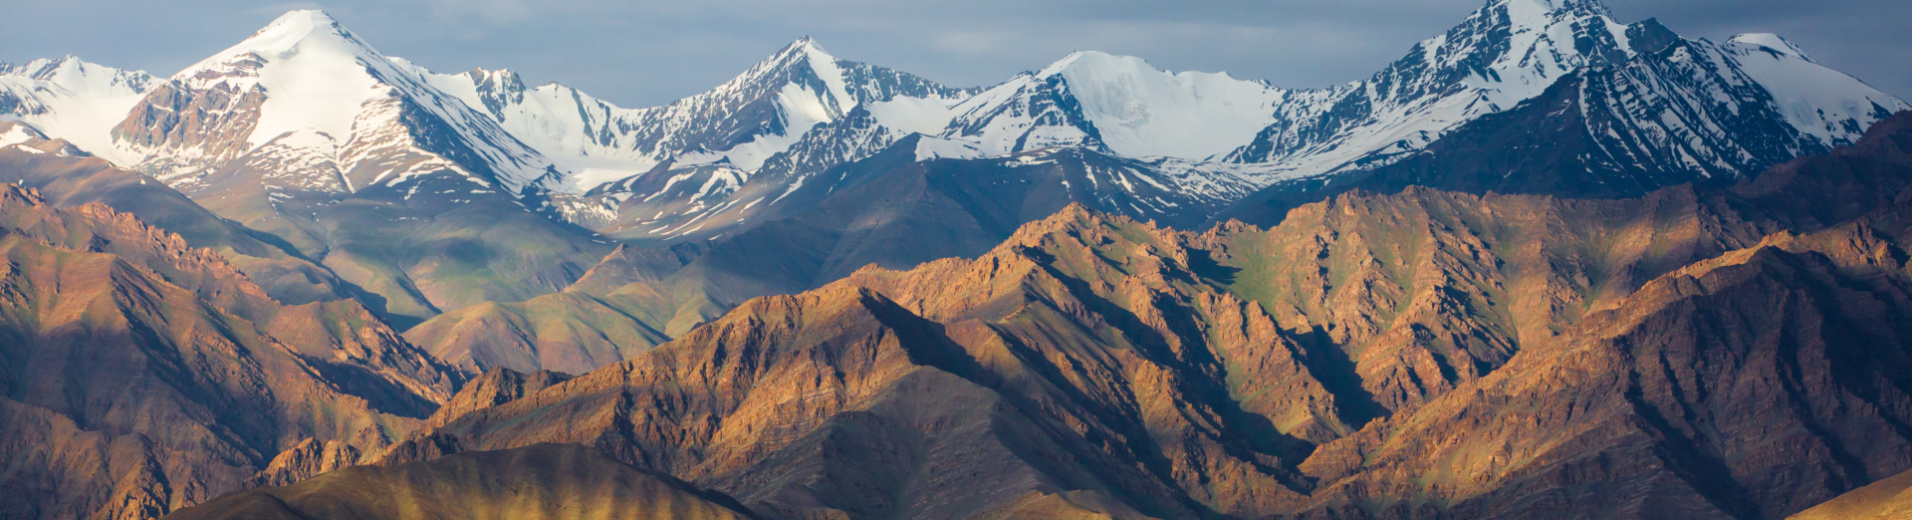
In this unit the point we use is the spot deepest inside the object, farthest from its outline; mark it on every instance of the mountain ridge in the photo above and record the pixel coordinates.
(1215, 373)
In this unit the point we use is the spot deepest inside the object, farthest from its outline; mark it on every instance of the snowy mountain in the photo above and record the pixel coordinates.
(1117, 104)
(306, 132)
(69, 98)
(1511, 51)
(305, 81)
(743, 122)
(306, 105)
(1685, 109)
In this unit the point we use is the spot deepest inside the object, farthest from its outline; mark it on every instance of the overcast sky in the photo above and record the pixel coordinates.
(646, 52)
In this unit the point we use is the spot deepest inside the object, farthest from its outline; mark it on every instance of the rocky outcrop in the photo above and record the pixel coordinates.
(499, 386)
(307, 459)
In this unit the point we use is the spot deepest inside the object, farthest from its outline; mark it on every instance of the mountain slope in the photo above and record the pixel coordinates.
(144, 375)
(889, 211)
(1879, 501)
(69, 177)
(1794, 340)
(1623, 131)
(549, 481)
(306, 132)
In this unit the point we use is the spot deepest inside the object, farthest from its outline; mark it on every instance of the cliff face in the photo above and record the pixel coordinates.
(143, 375)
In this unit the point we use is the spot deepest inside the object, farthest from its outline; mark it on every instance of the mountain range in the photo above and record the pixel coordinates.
(1547, 264)
(381, 169)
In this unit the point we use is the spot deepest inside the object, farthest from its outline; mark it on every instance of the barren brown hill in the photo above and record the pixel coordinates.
(544, 482)
(143, 375)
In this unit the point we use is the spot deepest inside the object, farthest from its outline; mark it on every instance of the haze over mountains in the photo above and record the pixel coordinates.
(1541, 264)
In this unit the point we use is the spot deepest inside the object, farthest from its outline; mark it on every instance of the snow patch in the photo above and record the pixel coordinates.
(913, 115)
(930, 148)
(17, 134)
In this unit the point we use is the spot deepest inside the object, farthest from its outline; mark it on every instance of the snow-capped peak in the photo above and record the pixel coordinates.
(306, 73)
(828, 70)
(285, 35)
(313, 69)
(786, 65)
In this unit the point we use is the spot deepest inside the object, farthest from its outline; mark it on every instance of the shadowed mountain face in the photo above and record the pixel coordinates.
(1426, 354)
(143, 375)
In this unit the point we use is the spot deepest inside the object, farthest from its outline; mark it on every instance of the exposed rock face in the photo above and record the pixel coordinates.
(1424, 354)
(494, 388)
(306, 460)
(144, 375)
(546, 481)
